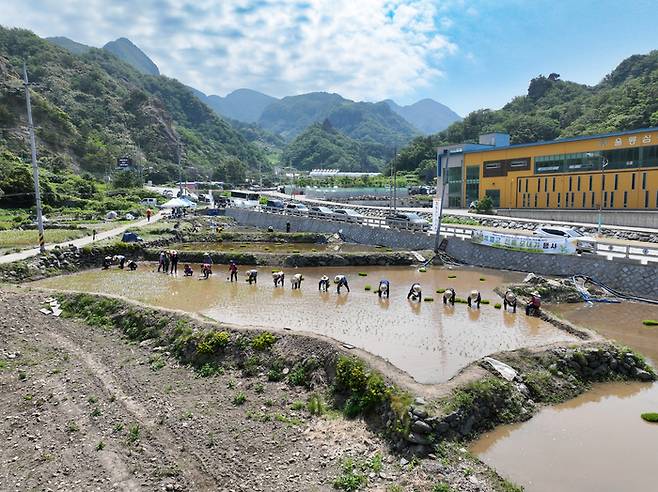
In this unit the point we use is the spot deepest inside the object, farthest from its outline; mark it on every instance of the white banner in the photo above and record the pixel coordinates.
(436, 210)
(528, 244)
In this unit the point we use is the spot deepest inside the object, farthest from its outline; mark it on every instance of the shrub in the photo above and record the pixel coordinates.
(264, 341)
(650, 322)
(297, 376)
(212, 341)
(365, 390)
(650, 417)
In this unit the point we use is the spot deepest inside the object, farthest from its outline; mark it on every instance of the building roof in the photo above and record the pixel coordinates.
(564, 140)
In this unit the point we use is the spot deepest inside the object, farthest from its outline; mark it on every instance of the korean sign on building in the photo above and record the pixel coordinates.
(529, 244)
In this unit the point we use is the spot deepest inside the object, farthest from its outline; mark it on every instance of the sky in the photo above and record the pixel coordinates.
(465, 54)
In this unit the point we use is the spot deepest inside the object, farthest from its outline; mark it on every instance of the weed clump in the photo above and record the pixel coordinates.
(365, 389)
(239, 399)
(213, 341)
(316, 405)
(209, 369)
(264, 341)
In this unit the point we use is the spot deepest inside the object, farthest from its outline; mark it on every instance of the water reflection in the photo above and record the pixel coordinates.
(410, 335)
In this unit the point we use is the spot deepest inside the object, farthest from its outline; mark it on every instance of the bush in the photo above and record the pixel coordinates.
(650, 417)
(213, 341)
(484, 206)
(264, 341)
(365, 390)
(650, 322)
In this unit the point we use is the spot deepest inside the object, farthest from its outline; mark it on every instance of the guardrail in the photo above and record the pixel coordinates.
(610, 250)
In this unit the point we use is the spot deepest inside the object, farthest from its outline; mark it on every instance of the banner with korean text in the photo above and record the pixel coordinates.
(528, 244)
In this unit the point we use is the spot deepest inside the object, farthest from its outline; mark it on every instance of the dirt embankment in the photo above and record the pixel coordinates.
(87, 405)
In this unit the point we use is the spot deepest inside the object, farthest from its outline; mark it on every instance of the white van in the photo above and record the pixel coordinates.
(151, 202)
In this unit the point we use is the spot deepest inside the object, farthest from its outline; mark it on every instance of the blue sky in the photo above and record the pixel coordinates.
(466, 54)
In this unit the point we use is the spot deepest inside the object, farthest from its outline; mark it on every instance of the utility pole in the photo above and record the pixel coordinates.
(180, 169)
(35, 166)
(395, 181)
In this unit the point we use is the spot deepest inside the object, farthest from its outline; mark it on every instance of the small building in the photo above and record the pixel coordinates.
(334, 173)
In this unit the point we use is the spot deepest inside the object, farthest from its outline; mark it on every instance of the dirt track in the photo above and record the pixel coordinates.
(84, 409)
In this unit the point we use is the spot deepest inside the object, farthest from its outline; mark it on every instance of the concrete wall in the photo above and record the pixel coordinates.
(627, 276)
(628, 218)
(624, 275)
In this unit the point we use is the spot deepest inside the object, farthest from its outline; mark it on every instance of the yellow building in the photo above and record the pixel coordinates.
(619, 170)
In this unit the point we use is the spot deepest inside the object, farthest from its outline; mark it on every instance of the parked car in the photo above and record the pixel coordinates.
(168, 193)
(275, 205)
(407, 220)
(348, 215)
(297, 208)
(584, 244)
(321, 212)
(150, 202)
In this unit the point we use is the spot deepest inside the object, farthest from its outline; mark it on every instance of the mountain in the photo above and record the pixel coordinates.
(69, 45)
(125, 50)
(367, 122)
(426, 115)
(90, 109)
(243, 105)
(625, 99)
(322, 146)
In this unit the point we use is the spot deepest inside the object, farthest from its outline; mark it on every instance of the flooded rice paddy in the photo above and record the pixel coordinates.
(269, 247)
(429, 341)
(596, 442)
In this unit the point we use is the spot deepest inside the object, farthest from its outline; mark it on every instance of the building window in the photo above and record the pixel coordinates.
(646, 199)
(553, 184)
(632, 181)
(656, 199)
(593, 194)
(590, 182)
(612, 199)
(538, 184)
(545, 185)
(584, 199)
(519, 190)
(603, 182)
(558, 199)
(526, 185)
(578, 183)
(616, 181)
(605, 199)
(548, 200)
(625, 199)
(570, 178)
(644, 181)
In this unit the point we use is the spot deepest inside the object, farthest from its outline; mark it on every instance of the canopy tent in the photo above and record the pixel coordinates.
(177, 203)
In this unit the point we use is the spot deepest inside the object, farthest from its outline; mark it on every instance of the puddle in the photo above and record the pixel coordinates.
(268, 247)
(430, 341)
(594, 442)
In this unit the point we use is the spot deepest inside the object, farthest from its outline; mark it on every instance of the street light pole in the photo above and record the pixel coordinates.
(35, 166)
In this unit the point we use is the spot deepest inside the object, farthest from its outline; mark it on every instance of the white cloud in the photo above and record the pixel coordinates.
(363, 49)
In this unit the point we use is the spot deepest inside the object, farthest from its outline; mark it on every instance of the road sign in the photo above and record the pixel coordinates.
(124, 162)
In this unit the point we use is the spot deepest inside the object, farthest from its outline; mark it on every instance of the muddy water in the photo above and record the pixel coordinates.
(429, 341)
(274, 247)
(596, 442)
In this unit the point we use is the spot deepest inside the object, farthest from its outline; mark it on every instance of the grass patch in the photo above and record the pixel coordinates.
(650, 322)
(210, 369)
(14, 238)
(316, 405)
(213, 341)
(351, 478)
(650, 417)
(239, 399)
(100, 446)
(134, 433)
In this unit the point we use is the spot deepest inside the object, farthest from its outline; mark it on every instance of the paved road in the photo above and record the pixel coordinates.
(83, 241)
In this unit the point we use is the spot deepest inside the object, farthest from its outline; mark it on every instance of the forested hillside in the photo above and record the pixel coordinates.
(625, 99)
(91, 108)
(322, 146)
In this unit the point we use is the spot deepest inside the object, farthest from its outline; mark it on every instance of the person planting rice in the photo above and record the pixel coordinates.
(120, 259)
(533, 308)
(132, 265)
(341, 281)
(233, 270)
(278, 278)
(206, 270)
(474, 298)
(187, 271)
(384, 288)
(449, 296)
(296, 281)
(252, 276)
(415, 292)
(107, 262)
(509, 299)
(173, 255)
(323, 285)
